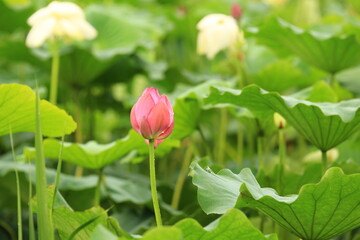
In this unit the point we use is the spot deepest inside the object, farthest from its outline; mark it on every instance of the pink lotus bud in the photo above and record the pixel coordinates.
(152, 116)
(236, 11)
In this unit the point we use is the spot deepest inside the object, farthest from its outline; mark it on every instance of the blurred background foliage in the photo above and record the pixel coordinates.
(143, 43)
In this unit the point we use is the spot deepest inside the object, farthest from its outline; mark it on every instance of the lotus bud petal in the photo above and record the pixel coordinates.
(279, 121)
(152, 116)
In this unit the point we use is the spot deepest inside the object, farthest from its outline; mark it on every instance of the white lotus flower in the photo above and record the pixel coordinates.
(63, 20)
(217, 32)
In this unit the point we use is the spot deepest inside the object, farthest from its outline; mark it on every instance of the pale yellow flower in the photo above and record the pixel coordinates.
(217, 32)
(279, 121)
(63, 20)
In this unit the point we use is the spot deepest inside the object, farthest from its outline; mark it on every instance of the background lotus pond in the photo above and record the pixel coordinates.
(266, 99)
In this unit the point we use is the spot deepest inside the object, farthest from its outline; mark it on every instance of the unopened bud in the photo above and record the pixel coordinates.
(279, 121)
(236, 11)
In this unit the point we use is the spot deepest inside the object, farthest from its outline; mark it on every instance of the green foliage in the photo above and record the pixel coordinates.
(18, 110)
(123, 29)
(93, 155)
(324, 124)
(309, 69)
(320, 211)
(233, 225)
(327, 52)
(280, 76)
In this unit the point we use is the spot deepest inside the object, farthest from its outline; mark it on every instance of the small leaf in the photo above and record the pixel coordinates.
(324, 124)
(17, 107)
(320, 211)
(327, 52)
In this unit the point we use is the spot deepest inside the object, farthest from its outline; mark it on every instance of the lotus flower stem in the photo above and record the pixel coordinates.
(324, 161)
(153, 183)
(260, 153)
(97, 196)
(206, 143)
(58, 172)
(332, 80)
(240, 144)
(31, 216)
(282, 153)
(18, 190)
(182, 176)
(54, 74)
(45, 225)
(222, 137)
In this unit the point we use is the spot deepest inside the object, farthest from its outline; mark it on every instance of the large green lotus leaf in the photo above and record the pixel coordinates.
(324, 124)
(327, 52)
(17, 108)
(320, 211)
(122, 28)
(234, 225)
(94, 155)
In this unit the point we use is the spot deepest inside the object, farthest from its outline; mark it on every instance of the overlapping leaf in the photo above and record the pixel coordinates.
(94, 155)
(17, 108)
(118, 189)
(327, 52)
(320, 211)
(234, 225)
(324, 124)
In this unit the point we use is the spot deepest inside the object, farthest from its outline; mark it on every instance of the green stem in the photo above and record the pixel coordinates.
(97, 196)
(153, 183)
(240, 144)
(45, 228)
(7, 228)
(242, 78)
(332, 80)
(18, 192)
(181, 179)
(260, 154)
(58, 172)
(206, 143)
(31, 216)
(222, 137)
(324, 161)
(54, 74)
(282, 153)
